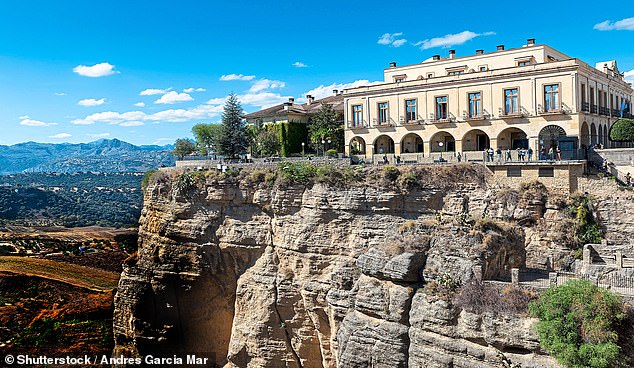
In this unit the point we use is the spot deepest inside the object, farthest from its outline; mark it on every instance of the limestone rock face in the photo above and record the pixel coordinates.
(254, 275)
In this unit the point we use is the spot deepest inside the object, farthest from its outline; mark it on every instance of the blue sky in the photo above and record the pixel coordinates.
(146, 71)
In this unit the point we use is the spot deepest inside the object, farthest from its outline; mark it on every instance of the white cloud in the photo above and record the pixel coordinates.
(24, 117)
(190, 90)
(262, 99)
(392, 39)
(140, 104)
(91, 102)
(60, 136)
(231, 77)
(154, 91)
(173, 97)
(450, 40)
(98, 135)
(626, 24)
(94, 71)
(204, 111)
(132, 123)
(299, 64)
(629, 76)
(59, 94)
(325, 91)
(263, 84)
(217, 101)
(34, 123)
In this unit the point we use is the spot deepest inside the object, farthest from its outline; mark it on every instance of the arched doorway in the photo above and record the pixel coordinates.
(357, 146)
(442, 142)
(555, 136)
(475, 140)
(593, 134)
(600, 136)
(512, 138)
(606, 140)
(383, 144)
(412, 143)
(585, 135)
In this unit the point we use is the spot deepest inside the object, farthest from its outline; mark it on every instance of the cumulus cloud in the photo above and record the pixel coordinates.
(133, 118)
(173, 97)
(91, 102)
(95, 71)
(140, 104)
(154, 91)
(190, 90)
(392, 39)
(241, 77)
(450, 39)
(132, 123)
(34, 123)
(263, 84)
(325, 91)
(626, 24)
(629, 76)
(262, 99)
(60, 136)
(299, 64)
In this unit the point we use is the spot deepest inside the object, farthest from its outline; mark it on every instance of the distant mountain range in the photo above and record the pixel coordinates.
(104, 155)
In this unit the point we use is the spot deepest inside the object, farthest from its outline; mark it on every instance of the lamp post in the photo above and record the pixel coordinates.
(323, 151)
(440, 144)
(303, 144)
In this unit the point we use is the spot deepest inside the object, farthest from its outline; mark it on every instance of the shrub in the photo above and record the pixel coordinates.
(578, 324)
(184, 182)
(391, 173)
(332, 153)
(586, 227)
(146, 179)
(477, 297)
(297, 172)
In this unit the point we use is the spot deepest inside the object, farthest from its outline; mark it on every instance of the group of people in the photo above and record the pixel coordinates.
(523, 154)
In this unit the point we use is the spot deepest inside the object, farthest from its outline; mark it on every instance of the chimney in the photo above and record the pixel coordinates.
(335, 92)
(530, 42)
(479, 52)
(287, 105)
(310, 99)
(452, 54)
(291, 100)
(500, 47)
(393, 64)
(436, 57)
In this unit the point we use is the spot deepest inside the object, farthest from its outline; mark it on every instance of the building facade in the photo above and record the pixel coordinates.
(531, 96)
(294, 112)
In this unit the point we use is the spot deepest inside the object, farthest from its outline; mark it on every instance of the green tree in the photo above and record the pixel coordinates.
(326, 125)
(207, 137)
(268, 142)
(233, 140)
(183, 147)
(578, 324)
(622, 131)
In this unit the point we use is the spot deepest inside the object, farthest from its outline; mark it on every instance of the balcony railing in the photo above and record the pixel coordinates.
(593, 109)
(521, 112)
(357, 124)
(616, 112)
(585, 106)
(603, 111)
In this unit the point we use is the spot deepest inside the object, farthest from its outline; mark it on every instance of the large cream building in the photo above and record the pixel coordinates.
(531, 96)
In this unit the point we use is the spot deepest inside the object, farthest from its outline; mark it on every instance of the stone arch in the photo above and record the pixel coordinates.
(357, 146)
(593, 135)
(442, 142)
(550, 135)
(606, 139)
(412, 143)
(585, 135)
(383, 144)
(475, 140)
(600, 135)
(512, 138)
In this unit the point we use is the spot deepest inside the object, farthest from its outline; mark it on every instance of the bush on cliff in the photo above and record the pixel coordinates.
(579, 324)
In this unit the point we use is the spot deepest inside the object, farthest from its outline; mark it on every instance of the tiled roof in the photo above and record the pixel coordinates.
(336, 101)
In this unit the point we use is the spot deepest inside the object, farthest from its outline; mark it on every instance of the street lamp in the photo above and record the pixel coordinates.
(440, 144)
(303, 144)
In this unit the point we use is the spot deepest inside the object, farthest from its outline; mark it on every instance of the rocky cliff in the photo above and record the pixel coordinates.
(258, 271)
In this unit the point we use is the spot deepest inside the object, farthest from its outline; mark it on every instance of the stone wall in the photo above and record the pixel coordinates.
(565, 179)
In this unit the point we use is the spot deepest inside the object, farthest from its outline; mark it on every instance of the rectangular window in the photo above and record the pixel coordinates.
(441, 107)
(524, 62)
(455, 72)
(583, 93)
(430, 75)
(410, 110)
(546, 172)
(483, 68)
(382, 112)
(511, 103)
(514, 172)
(357, 115)
(551, 97)
(475, 104)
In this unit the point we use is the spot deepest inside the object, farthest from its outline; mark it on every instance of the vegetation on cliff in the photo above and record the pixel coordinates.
(579, 324)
